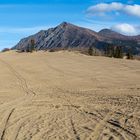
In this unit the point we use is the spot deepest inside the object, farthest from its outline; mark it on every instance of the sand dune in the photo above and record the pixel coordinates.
(68, 96)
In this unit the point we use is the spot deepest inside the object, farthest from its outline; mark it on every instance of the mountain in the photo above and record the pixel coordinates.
(64, 36)
(114, 35)
(128, 42)
(67, 35)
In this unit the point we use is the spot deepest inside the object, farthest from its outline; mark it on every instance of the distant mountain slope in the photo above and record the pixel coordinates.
(114, 35)
(128, 42)
(67, 35)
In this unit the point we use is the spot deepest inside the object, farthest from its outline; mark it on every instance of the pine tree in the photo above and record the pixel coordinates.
(129, 54)
(90, 51)
(27, 48)
(118, 52)
(109, 50)
(32, 45)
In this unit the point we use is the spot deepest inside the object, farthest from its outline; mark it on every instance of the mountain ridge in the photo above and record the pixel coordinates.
(108, 33)
(67, 35)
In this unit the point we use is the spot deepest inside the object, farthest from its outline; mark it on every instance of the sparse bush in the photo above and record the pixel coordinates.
(28, 48)
(51, 50)
(32, 45)
(90, 51)
(137, 57)
(5, 50)
(20, 51)
(129, 55)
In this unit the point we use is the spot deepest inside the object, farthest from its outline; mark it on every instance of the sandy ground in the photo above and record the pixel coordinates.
(68, 96)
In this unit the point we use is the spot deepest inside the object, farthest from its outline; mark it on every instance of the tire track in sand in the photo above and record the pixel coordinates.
(21, 79)
(24, 86)
(6, 124)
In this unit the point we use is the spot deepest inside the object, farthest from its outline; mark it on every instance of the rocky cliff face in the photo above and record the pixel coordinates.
(67, 35)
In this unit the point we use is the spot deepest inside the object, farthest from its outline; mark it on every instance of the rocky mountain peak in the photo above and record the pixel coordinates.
(67, 35)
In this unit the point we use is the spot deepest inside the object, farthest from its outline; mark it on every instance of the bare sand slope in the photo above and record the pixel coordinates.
(68, 96)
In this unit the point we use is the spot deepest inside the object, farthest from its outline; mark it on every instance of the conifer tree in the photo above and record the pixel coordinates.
(32, 45)
(90, 51)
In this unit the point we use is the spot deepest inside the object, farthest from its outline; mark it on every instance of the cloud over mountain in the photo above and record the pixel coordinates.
(126, 29)
(104, 8)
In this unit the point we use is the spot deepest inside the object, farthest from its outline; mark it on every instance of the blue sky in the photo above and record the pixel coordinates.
(19, 19)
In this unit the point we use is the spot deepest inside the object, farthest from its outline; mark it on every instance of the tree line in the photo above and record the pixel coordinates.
(108, 51)
(112, 51)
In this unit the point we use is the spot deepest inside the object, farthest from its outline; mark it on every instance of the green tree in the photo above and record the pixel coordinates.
(129, 54)
(90, 51)
(109, 50)
(32, 45)
(27, 48)
(118, 53)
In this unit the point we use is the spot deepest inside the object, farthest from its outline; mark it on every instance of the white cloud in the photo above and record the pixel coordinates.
(103, 8)
(132, 10)
(126, 29)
